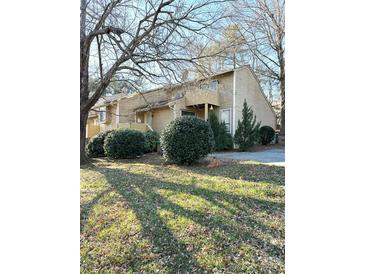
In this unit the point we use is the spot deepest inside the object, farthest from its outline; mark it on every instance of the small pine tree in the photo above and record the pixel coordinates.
(223, 140)
(247, 131)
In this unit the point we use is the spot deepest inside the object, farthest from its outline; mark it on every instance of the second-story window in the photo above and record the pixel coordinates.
(212, 85)
(102, 115)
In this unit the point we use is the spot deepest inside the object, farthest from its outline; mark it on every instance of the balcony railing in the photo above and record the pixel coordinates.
(202, 97)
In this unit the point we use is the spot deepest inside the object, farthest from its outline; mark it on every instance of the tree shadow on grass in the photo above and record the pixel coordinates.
(86, 208)
(237, 170)
(143, 198)
(173, 253)
(251, 172)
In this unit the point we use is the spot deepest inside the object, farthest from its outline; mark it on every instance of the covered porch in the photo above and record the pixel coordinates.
(200, 110)
(201, 102)
(155, 116)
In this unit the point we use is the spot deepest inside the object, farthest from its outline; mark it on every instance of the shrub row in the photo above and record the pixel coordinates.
(184, 141)
(122, 144)
(95, 146)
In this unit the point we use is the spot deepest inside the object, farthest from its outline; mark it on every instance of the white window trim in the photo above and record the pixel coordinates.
(230, 117)
(103, 109)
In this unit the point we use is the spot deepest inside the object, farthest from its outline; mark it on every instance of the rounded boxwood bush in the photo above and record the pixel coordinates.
(266, 134)
(95, 146)
(186, 140)
(126, 143)
(152, 141)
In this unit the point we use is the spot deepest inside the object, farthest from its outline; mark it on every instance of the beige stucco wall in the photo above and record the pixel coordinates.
(134, 126)
(92, 127)
(248, 87)
(178, 106)
(201, 97)
(225, 89)
(111, 119)
(127, 105)
(161, 118)
(157, 118)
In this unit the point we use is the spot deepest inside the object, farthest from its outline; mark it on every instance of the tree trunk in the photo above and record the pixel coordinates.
(84, 111)
(282, 111)
(282, 89)
(83, 121)
(84, 81)
(84, 95)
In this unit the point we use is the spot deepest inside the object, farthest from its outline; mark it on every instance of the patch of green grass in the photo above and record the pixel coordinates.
(142, 216)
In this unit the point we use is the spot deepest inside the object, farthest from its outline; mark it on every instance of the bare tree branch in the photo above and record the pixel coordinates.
(140, 40)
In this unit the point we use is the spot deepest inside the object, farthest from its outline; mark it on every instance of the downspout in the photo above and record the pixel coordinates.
(117, 117)
(234, 104)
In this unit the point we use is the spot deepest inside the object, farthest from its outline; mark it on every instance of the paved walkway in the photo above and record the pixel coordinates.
(274, 156)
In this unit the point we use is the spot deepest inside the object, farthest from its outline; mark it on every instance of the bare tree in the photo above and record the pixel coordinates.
(229, 48)
(138, 39)
(262, 26)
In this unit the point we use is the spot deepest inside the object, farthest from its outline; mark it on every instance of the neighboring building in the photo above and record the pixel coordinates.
(222, 93)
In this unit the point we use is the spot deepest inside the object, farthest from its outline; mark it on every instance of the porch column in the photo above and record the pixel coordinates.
(206, 112)
(117, 118)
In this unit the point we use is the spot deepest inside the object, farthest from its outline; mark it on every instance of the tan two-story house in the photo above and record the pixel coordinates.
(222, 93)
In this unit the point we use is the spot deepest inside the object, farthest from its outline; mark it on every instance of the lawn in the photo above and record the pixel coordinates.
(142, 216)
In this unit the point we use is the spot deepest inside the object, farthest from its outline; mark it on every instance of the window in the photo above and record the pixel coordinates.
(187, 113)
(213, 85)
(225, 115)
(102, 115)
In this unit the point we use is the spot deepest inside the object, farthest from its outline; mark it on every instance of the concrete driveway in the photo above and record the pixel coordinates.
(275, 156)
